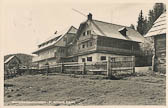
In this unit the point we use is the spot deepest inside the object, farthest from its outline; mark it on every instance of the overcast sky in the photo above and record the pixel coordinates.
(25, 24)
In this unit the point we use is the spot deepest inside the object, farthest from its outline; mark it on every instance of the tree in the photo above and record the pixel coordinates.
(140, 26)
(132, 26)
(151, 19)
(154, 14)
(158, 10)
(144, 25)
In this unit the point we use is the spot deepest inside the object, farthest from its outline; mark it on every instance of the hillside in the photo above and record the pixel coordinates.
(24, 58)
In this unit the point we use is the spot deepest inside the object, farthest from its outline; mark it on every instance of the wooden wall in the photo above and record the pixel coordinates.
(160, 53)
(117, 45)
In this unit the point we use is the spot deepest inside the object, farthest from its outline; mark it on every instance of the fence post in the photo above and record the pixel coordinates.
(109, 67)
(14, 72)
(84, 67)
(133, 64)
(47, 69)
(55, 69)
(62, 67)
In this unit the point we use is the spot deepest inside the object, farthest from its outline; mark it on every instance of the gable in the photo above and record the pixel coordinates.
(85, 31)
(67, 37)
(159, 26)
(12, 59)
(59, 39)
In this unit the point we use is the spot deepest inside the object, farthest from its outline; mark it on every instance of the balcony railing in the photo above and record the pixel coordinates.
(85, 38)
(81, 50)
(121, 51)
(43, 57)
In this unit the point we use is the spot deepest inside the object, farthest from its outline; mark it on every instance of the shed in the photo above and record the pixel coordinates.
(158, 35)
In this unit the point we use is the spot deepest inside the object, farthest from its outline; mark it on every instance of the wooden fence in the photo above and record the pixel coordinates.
(120, 65)
(113, 66)
(10, 73)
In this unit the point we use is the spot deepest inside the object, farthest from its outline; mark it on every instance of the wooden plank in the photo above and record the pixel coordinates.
(109, 67)
(73, 65)
(122, 68)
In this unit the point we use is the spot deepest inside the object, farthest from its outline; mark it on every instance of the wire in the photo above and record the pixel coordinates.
(79, 12)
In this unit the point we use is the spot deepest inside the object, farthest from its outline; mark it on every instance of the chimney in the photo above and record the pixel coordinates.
(90, 16)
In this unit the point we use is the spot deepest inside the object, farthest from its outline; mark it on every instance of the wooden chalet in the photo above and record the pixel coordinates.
(93, 41)
(98, 40)
(11, 62)
(53, 49)
(158, 35)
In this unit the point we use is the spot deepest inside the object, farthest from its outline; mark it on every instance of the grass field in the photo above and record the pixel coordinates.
(85, 90)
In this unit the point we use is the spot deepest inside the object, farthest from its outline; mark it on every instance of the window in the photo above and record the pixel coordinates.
(88, 32)
(89, 58)
(113, 59)
(91, 44)
(84, 34)
(83, 46)
(103, 58)
(83, 59)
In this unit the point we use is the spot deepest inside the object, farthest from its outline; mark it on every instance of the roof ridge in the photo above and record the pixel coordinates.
(110, 23)
(67, 28)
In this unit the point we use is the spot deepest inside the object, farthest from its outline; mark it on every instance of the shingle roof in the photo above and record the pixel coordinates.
(53, 40)
(159, 26)
(112, 30)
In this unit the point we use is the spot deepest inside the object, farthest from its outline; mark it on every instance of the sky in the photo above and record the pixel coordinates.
(27, 23)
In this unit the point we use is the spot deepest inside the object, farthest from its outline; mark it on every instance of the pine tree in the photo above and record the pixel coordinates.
(151, 18)
(140, 22)
(144, 25)
(158, 10)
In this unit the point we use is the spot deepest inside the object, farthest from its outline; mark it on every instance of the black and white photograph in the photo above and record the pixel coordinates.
(83, 53)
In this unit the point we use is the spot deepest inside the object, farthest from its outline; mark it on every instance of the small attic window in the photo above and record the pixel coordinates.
(84, 33)
(89, 32)
(123, 31)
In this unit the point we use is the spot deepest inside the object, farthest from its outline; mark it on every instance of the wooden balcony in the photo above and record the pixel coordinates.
(43, 57)
(119, 51)
(35, 59)
(87, 49)
(82, 51)
(84, 39)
